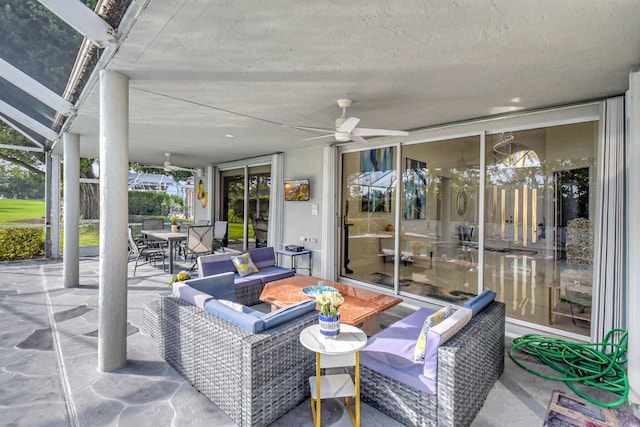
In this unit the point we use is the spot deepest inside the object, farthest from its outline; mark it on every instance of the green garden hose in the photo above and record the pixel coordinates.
(592, 364)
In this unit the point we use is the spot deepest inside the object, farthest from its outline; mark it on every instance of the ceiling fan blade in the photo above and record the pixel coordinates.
(318, 137)
(178, 168)
(378, 132)
(312, 129)
(358, 139)
(348, 125)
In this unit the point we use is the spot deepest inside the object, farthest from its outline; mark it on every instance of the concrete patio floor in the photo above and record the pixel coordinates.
(49, 375)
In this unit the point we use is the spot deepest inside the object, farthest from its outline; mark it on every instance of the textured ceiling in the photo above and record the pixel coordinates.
(200, 70)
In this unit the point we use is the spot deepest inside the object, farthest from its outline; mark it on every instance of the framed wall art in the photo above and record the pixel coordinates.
(296, 190)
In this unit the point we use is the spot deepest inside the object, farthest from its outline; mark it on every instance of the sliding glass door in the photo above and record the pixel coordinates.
(242, 210)
(427, 236)
(368, 215)
(539, 204)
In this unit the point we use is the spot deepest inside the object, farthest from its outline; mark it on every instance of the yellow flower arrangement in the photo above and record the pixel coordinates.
(180, 277)
(329, 302)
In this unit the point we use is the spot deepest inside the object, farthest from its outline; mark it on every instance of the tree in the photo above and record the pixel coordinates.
(21, 170)
(24, 170)
(19, 184)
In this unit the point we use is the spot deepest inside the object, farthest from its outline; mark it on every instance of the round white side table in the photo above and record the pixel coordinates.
(341, 351)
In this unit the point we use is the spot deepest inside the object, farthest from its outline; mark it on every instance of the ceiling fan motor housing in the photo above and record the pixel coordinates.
(344, 103)
(342, 136)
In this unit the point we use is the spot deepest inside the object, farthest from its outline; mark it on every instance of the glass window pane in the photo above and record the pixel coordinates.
(259, 192)
(438, 231)
(38, 43)
(233, 206)
(369, 212)
(26, 103)
(539, 203)
(29, 142)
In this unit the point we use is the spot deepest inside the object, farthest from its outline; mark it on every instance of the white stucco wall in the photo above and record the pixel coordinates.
(299, 217)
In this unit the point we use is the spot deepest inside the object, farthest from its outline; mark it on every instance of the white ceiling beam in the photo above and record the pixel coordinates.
(26, 121)
(20, 147)
(83, 20)
(34, 88)
(23, 133)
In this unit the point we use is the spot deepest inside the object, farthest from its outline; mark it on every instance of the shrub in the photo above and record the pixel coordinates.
(149, 203)
(21, 243)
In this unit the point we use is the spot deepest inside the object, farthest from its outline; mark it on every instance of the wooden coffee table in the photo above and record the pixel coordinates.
(360, 307)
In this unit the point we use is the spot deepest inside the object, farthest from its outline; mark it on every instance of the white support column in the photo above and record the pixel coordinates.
(214, 192)
(71, 258)
(55, 205)
(47, 205)
(329, 265)
(210, 189)
(114, 158)
(633, 239)
(276, 202)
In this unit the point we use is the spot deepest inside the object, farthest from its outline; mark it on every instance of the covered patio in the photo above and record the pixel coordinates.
(49, 358)
(240, 87)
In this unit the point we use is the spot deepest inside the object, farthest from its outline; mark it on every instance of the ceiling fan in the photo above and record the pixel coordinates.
(168, 166)
(346, 130)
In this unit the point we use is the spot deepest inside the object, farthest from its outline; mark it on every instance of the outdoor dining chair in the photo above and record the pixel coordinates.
(183, 245)
(153, 224)
(200, 241)
(150, 253)
(219, 234)
(260, 227)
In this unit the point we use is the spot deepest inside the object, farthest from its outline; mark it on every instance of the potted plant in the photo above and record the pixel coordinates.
(329, 303)
(175, 224)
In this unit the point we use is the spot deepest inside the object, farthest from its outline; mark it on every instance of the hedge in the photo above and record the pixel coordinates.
(21, 243)
(148, 203)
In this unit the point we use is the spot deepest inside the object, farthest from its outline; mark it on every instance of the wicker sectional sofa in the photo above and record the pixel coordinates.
(468, 365)
(255, 378)
(248, 288)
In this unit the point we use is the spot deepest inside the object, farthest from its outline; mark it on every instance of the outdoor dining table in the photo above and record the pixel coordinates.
(167, 236)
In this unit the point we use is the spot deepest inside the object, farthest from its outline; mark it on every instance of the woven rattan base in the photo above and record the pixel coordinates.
(468, 366)
(254, 378)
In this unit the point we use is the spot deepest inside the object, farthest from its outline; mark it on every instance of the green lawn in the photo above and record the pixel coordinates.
(21, 212)
(25, 212)
(31, 212)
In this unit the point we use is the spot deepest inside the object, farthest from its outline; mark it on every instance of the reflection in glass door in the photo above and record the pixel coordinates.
(438, 227)
(233, 184)
(368, 215)
(537, 223)
(259, 191)
(538, 248)
(251, 229)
